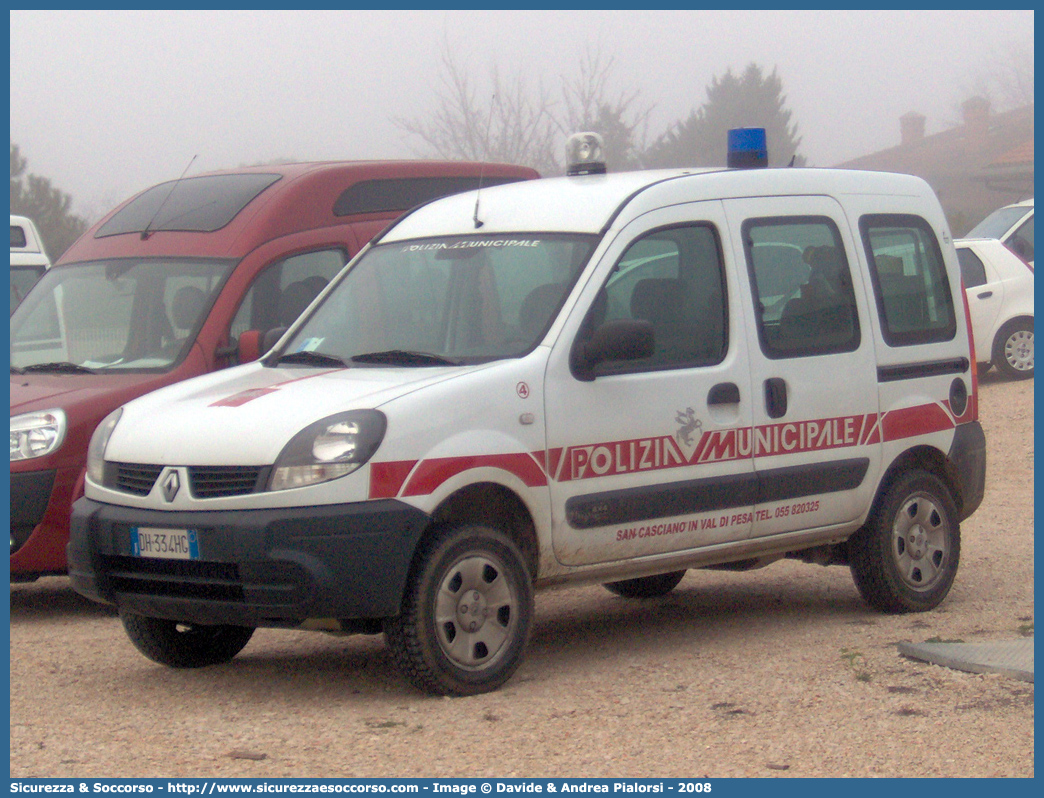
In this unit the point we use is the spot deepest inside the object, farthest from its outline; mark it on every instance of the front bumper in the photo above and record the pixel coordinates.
(275, 567)
(30, 495)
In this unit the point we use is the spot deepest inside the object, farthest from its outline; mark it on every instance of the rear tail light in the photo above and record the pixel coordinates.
(973, 399)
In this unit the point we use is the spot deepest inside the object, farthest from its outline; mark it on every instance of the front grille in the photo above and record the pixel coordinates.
(211, 482)
(205, 482)
(192, 579)
(135, 478)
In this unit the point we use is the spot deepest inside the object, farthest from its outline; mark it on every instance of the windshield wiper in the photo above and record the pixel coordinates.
(59, 367)
(312, 359)
(402, 357)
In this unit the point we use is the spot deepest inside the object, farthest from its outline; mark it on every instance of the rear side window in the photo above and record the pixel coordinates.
(22, 279)
(401, 194)
(909, 277)
(804, 303)
(973, 273)
(17, 237)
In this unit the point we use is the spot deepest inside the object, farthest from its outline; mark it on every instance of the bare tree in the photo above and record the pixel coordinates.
(525, 123)
(1005, 79)
(516, 125)
(589, 107)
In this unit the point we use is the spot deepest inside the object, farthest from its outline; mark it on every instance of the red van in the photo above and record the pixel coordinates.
(184, 278)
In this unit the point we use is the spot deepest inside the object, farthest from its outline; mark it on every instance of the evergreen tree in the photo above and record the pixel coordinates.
(47, 206)
(748, 100)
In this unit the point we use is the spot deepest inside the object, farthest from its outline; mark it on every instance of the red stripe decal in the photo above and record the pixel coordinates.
(241, 398)
(386, 478)
(912, 421)
(432, 473)
(422, 479)
(554, 460)
(541, 458)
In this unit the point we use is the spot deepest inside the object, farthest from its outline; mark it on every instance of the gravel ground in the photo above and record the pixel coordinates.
(777, 672)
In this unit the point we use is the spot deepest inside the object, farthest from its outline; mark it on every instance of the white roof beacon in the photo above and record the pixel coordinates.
(584, 154)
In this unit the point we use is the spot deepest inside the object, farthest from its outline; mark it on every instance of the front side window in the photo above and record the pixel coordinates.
(445, 300)
(285, 288)
(673, 279)
(802, 286)
(123, 314)
(910, 281)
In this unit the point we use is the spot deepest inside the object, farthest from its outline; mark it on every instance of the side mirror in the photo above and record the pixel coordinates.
(271, 338)
(622, 339)
(249, 347)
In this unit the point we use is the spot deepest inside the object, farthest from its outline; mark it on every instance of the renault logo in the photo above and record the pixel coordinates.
(170, 485)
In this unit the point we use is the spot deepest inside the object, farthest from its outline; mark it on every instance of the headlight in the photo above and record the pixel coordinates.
(96, 448)
(328, 449)
(36, 434)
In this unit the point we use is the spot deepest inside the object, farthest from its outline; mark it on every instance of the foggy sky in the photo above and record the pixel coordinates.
(108, 103)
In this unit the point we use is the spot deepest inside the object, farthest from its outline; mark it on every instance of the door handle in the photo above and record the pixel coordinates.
(775, 397)
(724, 393)
(985, 295)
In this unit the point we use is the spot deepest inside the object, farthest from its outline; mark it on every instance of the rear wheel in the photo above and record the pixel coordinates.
(466, 614)
(184, 645)
(905, 558)
(1013, 349)
(646, 586)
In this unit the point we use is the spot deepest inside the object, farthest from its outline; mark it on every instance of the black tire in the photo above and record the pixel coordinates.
(1013, 349)
(466, 615)
(646, 586)
(183, 645)
(905, 558)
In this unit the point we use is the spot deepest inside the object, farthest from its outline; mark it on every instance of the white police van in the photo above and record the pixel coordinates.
(596, 378)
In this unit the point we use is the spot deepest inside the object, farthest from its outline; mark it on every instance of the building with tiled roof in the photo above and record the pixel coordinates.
(974, 168)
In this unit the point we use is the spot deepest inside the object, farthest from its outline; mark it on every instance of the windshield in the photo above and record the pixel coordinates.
(998, 223)
(444, 300)
(125, 314)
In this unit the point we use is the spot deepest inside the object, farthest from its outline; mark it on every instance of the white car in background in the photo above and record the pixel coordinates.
(999, 287)
(1012, 225)
(28, 259)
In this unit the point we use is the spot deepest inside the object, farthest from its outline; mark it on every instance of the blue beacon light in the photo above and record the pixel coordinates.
(747, 148)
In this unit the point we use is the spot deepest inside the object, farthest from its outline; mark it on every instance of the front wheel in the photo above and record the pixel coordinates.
(905, 558)
(184, 645)
(646, 586)
(466, 614)
(1013, 349)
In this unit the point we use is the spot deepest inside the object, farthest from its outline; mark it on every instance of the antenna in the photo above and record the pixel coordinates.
(146, 233)
(482, 167)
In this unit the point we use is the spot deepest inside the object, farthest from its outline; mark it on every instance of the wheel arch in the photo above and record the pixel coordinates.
(493, 505)
(997, 347)
(1021, 318)
(925, 458)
